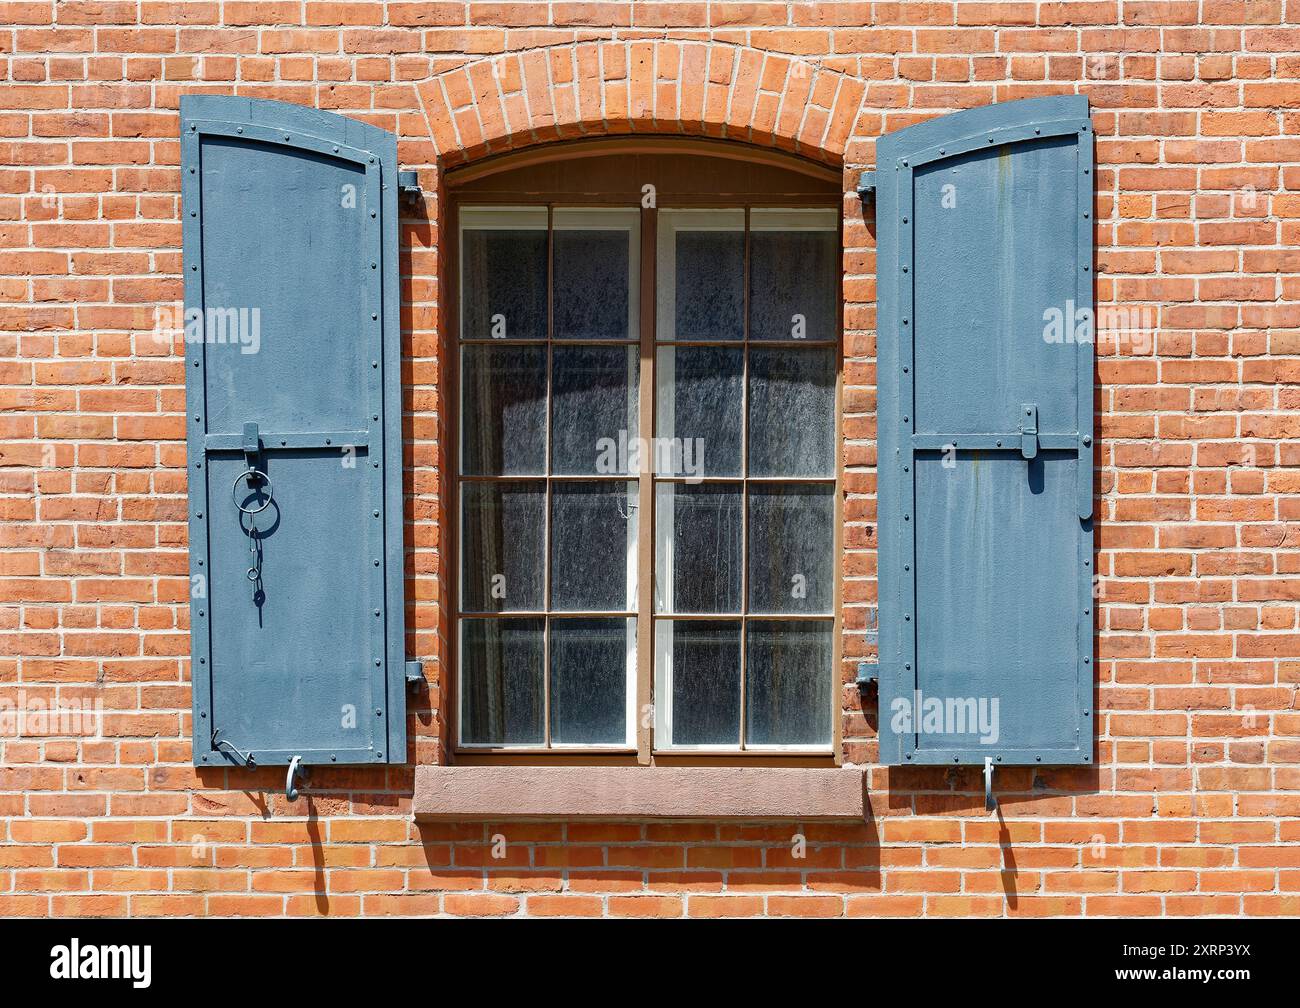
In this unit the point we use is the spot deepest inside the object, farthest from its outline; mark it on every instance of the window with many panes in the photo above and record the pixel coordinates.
(647, 503)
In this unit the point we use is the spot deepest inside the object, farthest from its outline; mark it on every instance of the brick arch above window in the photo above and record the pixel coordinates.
(591, 89)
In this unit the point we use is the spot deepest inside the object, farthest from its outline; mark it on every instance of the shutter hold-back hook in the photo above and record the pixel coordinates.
(295, 770)
(217, 743)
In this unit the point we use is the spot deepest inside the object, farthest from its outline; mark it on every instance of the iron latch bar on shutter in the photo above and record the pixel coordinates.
(297, 439)
(1029, 430)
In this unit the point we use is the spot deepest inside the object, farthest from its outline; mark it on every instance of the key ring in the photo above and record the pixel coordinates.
(245, 475)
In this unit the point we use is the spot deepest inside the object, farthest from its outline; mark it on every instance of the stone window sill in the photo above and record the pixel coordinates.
(596, 792)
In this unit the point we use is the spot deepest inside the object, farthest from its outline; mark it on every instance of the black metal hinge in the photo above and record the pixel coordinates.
(868, 674)
(869, 668)
(867, 189)
(414, 674)
(408, 184)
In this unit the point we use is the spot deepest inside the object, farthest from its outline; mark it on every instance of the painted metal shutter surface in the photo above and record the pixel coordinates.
(984, 229)
(291, 296)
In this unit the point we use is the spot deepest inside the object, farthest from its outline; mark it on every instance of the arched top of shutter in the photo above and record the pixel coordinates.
(266, 118)
(988, 125)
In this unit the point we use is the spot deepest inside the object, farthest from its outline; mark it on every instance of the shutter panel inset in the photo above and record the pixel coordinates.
(984, 228)
(292, 366)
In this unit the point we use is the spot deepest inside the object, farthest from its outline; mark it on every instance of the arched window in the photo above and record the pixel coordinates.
(647, 512)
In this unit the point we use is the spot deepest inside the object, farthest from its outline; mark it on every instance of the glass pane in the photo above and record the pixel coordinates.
(591, 664)
(698, 682)
(791, 411)
(794, 275)
(788, 683)
(503, 410)
(791, 548)
(503, 274)
(501, 537)
(698, 411)
(593, 546)
(594, 420)
(595, 257)
(698, 547)
(702, 274)
(501, 681)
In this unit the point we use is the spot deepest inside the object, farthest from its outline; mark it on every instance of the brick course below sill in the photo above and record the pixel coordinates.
(552, 792)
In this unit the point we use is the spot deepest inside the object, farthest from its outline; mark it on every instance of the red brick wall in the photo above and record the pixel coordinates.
(1194, 804)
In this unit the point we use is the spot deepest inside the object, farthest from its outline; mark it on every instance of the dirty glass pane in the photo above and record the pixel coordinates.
(501, 536)
(595, 257)
(791, 548)
(593, 546)
(501, 699)
(791, 411)
(503, 410)
(594, 419)
(788, 683)
(699, 392)
(590, 663)
(698, 547)
(794, 274)
(503, 274)
(697, 666)
(702, 274)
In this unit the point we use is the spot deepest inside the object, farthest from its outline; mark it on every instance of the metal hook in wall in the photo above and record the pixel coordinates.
(295, 770)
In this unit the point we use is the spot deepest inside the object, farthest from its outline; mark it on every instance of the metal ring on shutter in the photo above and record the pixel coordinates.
(251, 486)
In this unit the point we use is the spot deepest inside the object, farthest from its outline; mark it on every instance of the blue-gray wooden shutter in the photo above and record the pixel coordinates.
(985, 249)
(293, 367)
